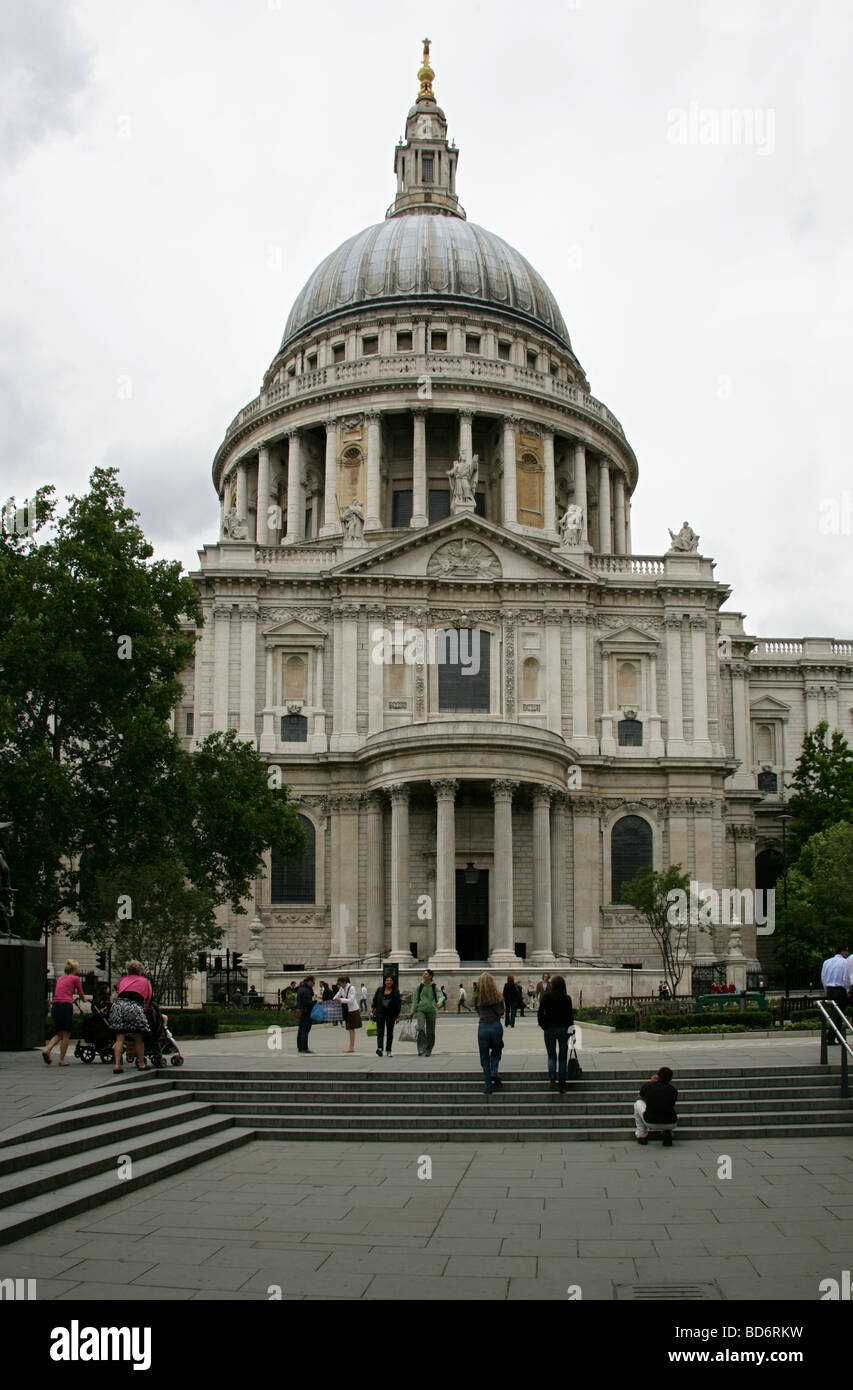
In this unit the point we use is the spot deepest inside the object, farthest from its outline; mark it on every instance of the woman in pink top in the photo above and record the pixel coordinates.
(66, 989)
(127, 1015)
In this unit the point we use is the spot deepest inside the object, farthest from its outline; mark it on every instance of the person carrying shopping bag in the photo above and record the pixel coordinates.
(352, 1013)
(386, 1011)
(425, 1002)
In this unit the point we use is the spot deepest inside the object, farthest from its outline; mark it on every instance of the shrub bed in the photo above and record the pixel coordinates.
(705, 1023)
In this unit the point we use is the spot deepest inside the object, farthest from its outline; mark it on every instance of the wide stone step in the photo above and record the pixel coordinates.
(494, 1115)
(115, 1127)
(435, 1110)
(47, 1177)
(381, 1095)
(57, 1122)
(344, 1075)
(510, 1135)
(48, 1208)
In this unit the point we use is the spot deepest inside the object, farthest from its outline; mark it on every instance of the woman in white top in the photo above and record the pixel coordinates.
(352, 1013)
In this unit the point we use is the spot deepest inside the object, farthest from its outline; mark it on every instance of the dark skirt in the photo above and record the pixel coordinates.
(62, 1015)
(353, 1018)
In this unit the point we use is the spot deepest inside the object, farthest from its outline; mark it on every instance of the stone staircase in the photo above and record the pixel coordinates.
(67, 1161)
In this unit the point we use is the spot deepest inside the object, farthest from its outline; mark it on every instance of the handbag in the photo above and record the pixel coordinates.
(355, 1015)
(318, 1014)
(371, 1030)
(573, 1067)
(409, 1031)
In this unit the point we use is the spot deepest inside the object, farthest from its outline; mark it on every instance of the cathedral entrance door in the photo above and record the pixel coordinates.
(472, 916)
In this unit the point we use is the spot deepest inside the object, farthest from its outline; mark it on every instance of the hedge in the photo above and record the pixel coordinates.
(191, 1023)
(701, 1023)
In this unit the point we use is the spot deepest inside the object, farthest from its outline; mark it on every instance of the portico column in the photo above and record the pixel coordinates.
(580, 497)
(510, 511)
(559, 839)
(248, 652)
(550, 518)
(420, 515)
(262, 530)
(221, 652)
(331, 515)
(502, 947)
(604, 541)
(619, 514)
(295, 503)
(399, 874)
(446, 953)
(542, 953)
(373, 520)
(375, 905)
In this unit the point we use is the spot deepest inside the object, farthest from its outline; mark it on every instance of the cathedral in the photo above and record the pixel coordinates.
(424, 610)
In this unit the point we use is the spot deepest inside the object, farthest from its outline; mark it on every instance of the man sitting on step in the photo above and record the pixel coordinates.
(655, 1109)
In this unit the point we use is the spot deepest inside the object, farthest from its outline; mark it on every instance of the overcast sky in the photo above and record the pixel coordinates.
(172, 171)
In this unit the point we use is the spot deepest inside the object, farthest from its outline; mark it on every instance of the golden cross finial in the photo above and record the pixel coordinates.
(426, 75)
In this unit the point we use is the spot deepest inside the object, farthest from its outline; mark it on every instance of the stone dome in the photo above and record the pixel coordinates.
(431, 258)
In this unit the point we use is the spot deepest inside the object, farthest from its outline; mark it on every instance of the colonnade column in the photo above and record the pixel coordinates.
(580, 497)
(550, 518)
(373, 520)
(243, 494)
(629, 549)
(295, 494)
(375, 905)
(331, 516)
(420, 514)
(262, 530)
(248, 654)
(619, 541)
(221, 653)
(604, 541)
(510, 509)
(466, 436)
(502, 946)
(399, 874)
(446, 953)
(542, 953)
(559, 901)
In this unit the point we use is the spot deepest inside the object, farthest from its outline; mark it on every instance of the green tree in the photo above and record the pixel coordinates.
(101, 792)
(656, 897)
(822, 785)
(820, 897)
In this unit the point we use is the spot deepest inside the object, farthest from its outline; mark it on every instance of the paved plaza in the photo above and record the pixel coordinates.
(516, 1221)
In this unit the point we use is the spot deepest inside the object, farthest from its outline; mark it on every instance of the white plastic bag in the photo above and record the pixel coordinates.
(409, 1031)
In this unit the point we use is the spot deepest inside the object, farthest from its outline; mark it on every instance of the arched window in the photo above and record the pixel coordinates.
(530, 679)
(295, 882)
(630, 733)
(294, 678)
(765, 744)
(630, 851)
(628, 684)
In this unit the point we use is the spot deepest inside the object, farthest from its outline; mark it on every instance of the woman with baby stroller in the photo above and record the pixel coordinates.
(127, 1015)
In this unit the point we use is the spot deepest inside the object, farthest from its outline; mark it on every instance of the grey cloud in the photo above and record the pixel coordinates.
(43, 64)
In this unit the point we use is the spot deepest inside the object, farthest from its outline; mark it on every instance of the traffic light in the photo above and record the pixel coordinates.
(101, 960)
(217, 964)
(201, 961)
(236, 958)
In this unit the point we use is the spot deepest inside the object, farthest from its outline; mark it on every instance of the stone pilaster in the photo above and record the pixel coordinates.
(542, 949)
(399, 874)
(248, 657)
(446, 954)
(373, 518)
(375, 904)
(221, 655)
(675, 744)
(420, 513)
(331, 514)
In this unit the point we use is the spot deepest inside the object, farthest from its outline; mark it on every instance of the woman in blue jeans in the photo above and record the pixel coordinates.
(490, 1033)
(557, 1021)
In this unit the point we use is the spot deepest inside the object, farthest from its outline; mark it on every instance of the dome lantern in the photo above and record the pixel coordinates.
(425, 161)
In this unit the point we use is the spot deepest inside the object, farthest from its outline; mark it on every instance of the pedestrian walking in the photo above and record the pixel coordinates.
(510, 993)
(463, 997)
(541, 987)
(834, 977)
(304, 1005)
(522, 1002)
(557, 1020)
(386, 1010)
(363, 998)
(655, 1108)
(490, 1033)
(127, 1018)
(443, 1004)
(352, 1013)
(67, 988)
(425, 1002)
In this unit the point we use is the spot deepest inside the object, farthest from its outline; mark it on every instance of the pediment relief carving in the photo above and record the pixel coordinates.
(464, 559)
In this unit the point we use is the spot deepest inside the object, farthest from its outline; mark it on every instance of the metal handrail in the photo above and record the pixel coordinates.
(841, 1035)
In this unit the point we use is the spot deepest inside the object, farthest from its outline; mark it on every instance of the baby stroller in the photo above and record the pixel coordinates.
(98, 1039)
(159, 1043)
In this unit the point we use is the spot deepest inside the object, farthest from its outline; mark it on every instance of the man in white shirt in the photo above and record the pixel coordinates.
(363, 1002)
(834, 977)
(462, 1000)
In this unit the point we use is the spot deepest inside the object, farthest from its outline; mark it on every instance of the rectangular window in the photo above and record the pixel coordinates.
(404, 342)
(503, 351)
(555, 369)
(531, 361)
(438, 341)
(426, 168)
(401, 510)
(310, 361)
(472, 342)
(369, 346)
(480, 504)
(463, 670)
(439, 505)
(190, 722)
(294, 728)
(338, 352)
(291, 371)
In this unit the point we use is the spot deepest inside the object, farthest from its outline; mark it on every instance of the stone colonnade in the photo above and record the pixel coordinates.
(612, 533)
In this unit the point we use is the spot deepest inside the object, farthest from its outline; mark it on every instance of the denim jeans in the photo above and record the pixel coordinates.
(303, 1028)
(490, 1038)
(426, 1030)
(554, 1038)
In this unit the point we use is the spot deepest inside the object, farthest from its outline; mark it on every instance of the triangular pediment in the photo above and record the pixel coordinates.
(769, 705)
(464, 548)
(629, 638)
(296, 628)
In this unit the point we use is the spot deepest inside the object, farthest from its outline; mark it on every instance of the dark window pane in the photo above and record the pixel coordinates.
(768, 782)
(480, 503)
(294, 883)
(463, 669)
(294, 728)
(426, 168)
(402, 508)
(630, 733)
(190, 724)
(404, 342)
(630, 851)
(439, 505)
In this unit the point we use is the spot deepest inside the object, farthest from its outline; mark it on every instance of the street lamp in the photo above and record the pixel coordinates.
(784, 818)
